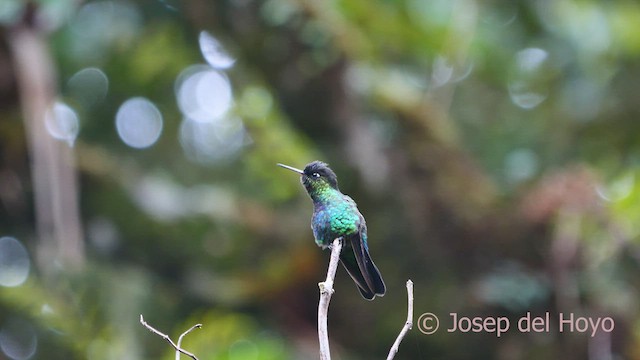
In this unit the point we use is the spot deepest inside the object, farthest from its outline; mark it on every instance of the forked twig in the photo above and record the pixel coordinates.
(196, 326)
(167, 338)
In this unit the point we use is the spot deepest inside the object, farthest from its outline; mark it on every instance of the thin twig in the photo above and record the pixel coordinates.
(326, 290)
(196, 326)
(168, 339)
(408, 325)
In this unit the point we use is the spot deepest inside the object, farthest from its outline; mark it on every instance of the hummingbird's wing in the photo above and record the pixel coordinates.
(348, 260)
(356, 260)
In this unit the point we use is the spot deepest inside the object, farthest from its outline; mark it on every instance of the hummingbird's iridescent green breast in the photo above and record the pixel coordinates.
(335, 215)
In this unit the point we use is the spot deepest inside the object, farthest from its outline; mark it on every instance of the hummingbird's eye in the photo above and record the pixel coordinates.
(315, 175)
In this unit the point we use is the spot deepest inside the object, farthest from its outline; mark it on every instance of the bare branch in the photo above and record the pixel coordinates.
(168, 339)
(326, 290)
(408, 325)
(196, 326)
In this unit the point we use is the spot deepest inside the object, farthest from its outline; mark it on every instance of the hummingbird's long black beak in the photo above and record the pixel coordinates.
(291, 168)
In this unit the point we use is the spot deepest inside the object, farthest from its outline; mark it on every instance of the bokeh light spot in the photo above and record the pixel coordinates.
(100, 25)
(530, 59)
(213, 141)
(62, 122)
(523, 98)
(18, 340)
(213, 51)
(139, 123)
(203, 93)
(527, 87)
(618, 189)
(89, 86)
(14, 262)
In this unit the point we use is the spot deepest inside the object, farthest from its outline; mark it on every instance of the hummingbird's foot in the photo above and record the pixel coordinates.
(330, 246)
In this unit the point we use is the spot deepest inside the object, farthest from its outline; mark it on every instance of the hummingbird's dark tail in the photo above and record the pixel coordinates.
(356, 260)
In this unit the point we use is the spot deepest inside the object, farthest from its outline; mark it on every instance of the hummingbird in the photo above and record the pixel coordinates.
(336, 215)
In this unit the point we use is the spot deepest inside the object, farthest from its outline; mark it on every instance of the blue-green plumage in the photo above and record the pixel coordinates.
(336, 215)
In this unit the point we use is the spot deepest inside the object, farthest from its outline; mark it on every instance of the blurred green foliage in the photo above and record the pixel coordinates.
(492, 147)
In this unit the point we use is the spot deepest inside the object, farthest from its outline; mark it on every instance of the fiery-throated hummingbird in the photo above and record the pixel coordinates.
(336, 215)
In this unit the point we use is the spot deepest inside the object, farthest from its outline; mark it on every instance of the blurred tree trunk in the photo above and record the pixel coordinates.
(53, 175)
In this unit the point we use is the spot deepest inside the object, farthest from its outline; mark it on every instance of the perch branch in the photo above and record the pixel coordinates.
(408, 325)
(326, 290)
(167, 338)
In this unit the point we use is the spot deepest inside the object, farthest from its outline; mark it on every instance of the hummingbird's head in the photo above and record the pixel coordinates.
(316, 176)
